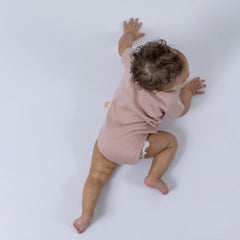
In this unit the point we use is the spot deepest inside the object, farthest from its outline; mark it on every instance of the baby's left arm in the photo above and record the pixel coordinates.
(125, 42)
(130, 34)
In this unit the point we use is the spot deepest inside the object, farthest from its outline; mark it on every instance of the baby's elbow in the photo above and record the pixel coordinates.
(184, 112)
(173, 116)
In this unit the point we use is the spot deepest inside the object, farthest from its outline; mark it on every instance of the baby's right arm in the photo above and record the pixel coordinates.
(189, 90)
(186, 98)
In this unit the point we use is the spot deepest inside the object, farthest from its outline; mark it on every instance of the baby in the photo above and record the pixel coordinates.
(149, 89)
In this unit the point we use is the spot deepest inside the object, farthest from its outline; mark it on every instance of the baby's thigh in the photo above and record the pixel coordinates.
(158, 142)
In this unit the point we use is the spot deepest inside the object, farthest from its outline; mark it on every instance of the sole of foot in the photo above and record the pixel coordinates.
(81, 223)
(158, 184)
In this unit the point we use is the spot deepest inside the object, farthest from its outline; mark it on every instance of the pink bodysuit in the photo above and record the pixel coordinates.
(132, 116)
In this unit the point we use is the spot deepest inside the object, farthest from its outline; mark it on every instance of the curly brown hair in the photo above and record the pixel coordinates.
(154, 66)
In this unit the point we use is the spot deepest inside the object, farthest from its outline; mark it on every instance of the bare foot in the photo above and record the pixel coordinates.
(159, 184)
(82, 223)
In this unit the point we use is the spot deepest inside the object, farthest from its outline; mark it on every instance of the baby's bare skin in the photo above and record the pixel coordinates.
(82, 223)
(100, 171)
(162, 148)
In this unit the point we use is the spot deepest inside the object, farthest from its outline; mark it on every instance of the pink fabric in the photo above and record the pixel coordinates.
(132, 115)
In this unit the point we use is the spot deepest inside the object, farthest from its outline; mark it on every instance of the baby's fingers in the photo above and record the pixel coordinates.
(199, 82)
(139, 25)
(125, 24)
(199, 92)
(195, 79)
(201, 86)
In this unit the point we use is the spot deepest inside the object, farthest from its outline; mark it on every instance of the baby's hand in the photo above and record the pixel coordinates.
(133, 28)
(196, 84)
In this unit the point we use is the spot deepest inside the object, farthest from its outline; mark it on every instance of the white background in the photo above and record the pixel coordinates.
(59, 63)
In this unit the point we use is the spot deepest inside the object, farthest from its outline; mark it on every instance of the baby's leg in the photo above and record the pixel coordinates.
(163, 147)
(100, 171)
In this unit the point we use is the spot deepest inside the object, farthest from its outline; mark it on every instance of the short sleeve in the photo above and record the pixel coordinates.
(126, 58)
(175, 109)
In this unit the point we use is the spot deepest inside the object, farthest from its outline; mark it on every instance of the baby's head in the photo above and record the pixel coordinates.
(155, 67)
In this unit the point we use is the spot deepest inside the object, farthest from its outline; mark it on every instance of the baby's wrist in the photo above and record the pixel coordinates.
(129, 35)
(188, 89)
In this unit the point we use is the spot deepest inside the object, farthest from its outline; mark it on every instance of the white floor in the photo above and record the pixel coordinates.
(59, 63)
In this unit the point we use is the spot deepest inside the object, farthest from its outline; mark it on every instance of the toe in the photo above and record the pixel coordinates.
(81, 224)
(77, 228)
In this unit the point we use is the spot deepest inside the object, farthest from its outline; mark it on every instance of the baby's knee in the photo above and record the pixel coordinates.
(173, 142)
(97, 177)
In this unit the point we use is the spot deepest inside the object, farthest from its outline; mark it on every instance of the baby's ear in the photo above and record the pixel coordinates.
(107, 104)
